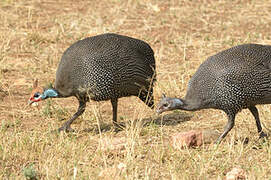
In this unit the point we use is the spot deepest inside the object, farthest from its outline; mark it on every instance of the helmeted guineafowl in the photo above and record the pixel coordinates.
(102, 67)
(232, 80)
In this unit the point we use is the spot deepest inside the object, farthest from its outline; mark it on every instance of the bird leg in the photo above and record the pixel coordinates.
(67, 125)
(114, 103)
(255, 113)
(228, 127)
(117, 126)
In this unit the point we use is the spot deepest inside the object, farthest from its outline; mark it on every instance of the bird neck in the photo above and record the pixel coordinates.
(187, 105)
(49, 93)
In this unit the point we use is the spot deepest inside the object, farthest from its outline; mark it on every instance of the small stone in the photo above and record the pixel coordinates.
(187, 139)
(193, 138)
(236, 174)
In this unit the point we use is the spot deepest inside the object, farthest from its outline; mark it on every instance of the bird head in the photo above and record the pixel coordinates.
(168, 104)
(36, 94)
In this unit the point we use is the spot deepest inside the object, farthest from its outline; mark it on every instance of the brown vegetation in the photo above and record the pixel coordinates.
(35, 33)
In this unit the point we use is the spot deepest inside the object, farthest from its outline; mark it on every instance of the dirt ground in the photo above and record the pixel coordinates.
(34, 35)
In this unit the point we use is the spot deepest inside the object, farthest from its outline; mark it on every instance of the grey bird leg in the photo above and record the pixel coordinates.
(114, 103)
(255, 113)
(67, 125)
(228, 127)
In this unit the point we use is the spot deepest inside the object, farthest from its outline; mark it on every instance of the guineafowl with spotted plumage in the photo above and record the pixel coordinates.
(102, 67)
(232, 80)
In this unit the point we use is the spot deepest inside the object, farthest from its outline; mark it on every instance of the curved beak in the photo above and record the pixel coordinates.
(159, 111)
(32, 102)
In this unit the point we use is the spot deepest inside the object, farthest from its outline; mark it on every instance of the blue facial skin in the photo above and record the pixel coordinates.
(177, 102)
(49, 93)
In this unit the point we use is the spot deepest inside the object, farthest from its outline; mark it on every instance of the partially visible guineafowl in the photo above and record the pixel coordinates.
(102, 67)
(234, 79)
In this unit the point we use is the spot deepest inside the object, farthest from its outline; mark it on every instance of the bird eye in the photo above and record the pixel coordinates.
(36, 95)
(166, 104)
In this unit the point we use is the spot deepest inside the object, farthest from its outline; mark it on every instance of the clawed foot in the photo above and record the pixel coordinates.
(65, 129)
(118, 127)
(263, 135)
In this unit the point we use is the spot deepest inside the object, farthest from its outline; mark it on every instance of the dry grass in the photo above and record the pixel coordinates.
(183, 34)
